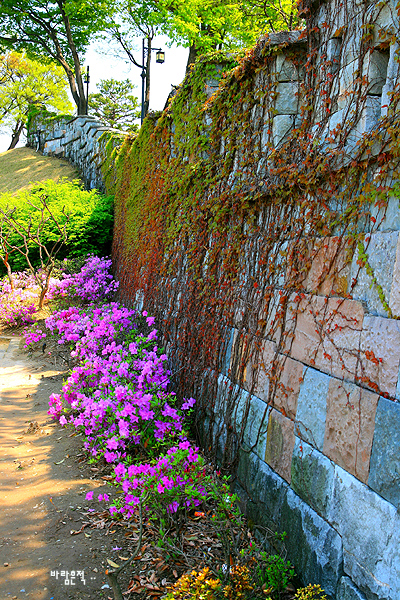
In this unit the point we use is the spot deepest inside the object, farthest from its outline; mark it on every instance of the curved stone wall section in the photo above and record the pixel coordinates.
(80, 140)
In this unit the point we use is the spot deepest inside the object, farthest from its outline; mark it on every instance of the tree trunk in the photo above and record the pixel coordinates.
(81, 100)
(147, 81)
(193, 52)
(10, 276)
(9, 272)
(16, 134)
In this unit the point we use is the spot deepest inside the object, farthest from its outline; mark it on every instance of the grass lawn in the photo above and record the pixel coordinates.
(21, 166)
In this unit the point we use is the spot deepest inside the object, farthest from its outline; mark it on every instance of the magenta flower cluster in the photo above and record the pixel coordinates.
(94, 282)
(117, 396)
(17, 306)
(33, 335)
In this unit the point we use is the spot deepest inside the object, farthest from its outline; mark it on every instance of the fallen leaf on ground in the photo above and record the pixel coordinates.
(112, 564)
(73, 532)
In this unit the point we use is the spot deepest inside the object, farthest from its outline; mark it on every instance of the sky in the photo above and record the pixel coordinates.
(103, 66)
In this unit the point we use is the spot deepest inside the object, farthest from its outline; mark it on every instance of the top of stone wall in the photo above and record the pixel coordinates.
(279, 39)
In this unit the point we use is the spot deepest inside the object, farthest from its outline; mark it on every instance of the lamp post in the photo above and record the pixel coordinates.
(86, 80)
(160, 58)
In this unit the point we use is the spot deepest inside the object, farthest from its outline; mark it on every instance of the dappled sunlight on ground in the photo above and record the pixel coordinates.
(21, 166)
(42, 488)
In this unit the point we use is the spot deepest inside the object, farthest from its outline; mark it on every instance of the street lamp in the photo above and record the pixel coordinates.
(86, 80)
(160, 58)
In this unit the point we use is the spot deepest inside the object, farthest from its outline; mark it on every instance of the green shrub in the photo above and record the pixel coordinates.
(273, 571)
(89, 227)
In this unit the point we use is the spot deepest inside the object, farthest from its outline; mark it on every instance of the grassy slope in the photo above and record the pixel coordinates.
(21, 166)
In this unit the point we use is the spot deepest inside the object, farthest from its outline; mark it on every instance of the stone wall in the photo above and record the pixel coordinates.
(80, 140)
(321, 459)
(317, 426)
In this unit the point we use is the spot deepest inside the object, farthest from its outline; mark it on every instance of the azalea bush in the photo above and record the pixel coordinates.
(17, 307)
(117, 396)
(18, 303)
(93, 282)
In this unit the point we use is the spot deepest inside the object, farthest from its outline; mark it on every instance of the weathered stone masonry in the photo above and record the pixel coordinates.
(326, 466)
(76, 139)
(322, 462)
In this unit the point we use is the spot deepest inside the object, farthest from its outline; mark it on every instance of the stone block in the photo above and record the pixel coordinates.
(330, 267)
(58, 134)
(370, 530)
(266, 489)
(284, 391)
(253, 425)
(393, 65)
(312, 477)
(381, 251)
(386, 97)
(347, 75)
(236, 350)
(379, 354)
(386, 16)
(376, 71)
(266, 138)
(285, 68)
(348, 591)
(323, 332)
(333, 52)
(368, 117)
(226, 359)
(384, 475)
(335, 123)
(287, 100)
(394, 299)
(241, 402)
(260, 368)
(388, 219)
(311, 407)
(71, 138)
(313, 546)
(280, 444)
(282, 125)
(349, 430)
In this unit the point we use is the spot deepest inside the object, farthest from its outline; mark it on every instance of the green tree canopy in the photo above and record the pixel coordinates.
(89, 224)
(25, 83)
(54, 30)
(115, 105)
(201, 25)
(205, 25)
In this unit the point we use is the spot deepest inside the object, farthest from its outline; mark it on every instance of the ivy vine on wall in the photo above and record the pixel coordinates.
(241, 244)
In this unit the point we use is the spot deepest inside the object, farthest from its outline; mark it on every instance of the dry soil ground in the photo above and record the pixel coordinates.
(44, 480)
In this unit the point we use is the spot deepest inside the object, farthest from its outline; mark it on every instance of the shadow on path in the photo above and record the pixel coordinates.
(43, 488)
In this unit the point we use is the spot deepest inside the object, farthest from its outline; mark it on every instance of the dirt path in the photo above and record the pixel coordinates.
(43, 488)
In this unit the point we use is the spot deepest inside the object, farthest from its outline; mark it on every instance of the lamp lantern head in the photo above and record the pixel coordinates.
(160, 56)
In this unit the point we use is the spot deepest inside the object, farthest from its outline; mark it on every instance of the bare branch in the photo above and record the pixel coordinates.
(29, 235)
